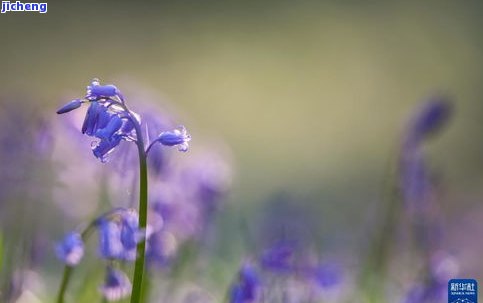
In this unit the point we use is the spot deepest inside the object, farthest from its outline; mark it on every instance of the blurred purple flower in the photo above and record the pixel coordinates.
(110, 245)
(207, 175)
(161, 248)
(279, 257)
(246, 289)
(116, 285)
(429, 118)
(130, 233)
(71, 249)
(119, 235)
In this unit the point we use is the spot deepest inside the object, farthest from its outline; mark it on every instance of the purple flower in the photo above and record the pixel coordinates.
(106, 118)
(247, 288)
(74, 104)
(114, 124)
(96, 118)
(109, 120)
(116, 285)
(429, 118)
(105, 147)
(95, 91)
(119, 235)
(109, 127)
(71, 249)
(415, 181)
(110, 245)
(178, 136)
(161, 247)
(130, 233)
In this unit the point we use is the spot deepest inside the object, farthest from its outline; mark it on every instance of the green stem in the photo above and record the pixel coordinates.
(65, 282)
(69, 269)
(137, 288)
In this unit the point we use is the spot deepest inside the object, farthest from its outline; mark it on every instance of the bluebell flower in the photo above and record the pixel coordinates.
(109, 120)
(116, 285)
(106, 118)
(119, 234)
(71, 249)
(110, 245)
(108, 127)
(97, 117)
(130, 229)
(104, 147)
(430, 117)
(95, 91)
(131, 235)
(247, 288)
(74, 104)
(114, 124)
(178, 136)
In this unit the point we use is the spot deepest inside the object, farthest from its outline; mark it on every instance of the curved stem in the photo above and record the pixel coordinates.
(150, 146)
(137, 287)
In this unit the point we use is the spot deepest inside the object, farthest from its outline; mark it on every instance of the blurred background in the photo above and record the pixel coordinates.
(308, 100)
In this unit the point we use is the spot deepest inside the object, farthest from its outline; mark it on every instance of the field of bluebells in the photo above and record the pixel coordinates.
(247, 152)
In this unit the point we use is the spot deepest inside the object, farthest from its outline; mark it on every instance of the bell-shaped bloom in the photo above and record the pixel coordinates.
(97, 117)
(96, 91)
(114, 124)
(119, 236)
(110, 245)
(109, 120)
(131, 235)
(74, 104)
(247, 288)
(116, 285)
(71, 249)
(103, 148)
(177, 137)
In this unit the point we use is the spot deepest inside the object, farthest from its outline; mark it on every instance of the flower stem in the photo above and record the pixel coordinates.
(69, 269)
(137, 288)
(63, 285)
